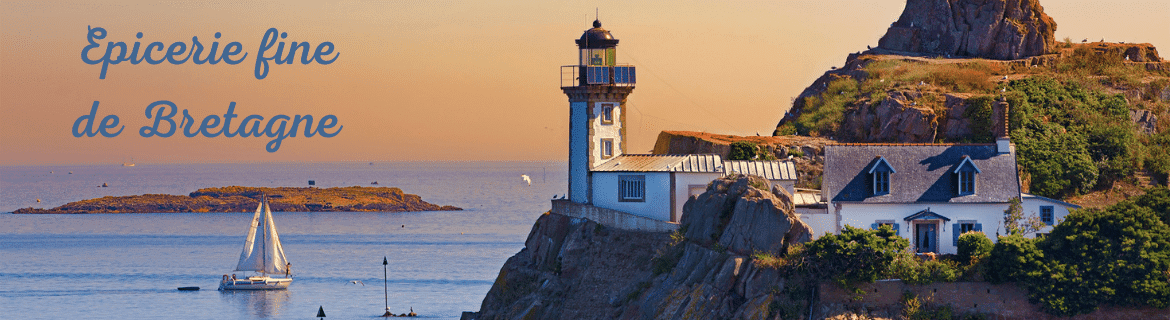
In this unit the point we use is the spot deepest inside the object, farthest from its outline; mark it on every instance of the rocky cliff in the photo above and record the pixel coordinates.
(244, 199)
(995, 29)
(576, 269)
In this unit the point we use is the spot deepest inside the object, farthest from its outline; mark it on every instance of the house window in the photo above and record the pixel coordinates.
(631, 188)
(607, 114)
(606, 148)
(966, 182)
(893, 226)
(965, 226)
(881, 182)
(1046, 215)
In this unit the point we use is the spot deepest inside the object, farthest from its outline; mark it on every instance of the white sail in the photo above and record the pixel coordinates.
(262, 251)
(248, 257)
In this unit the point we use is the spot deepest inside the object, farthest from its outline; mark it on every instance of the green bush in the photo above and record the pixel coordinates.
(795, 152)
(742, 150)
(1120, 255)
(855, 255)
(980, 112)
(1071, 139)
(973, 245)
(1014, 258)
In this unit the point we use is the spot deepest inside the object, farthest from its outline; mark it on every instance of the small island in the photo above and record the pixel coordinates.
(245, 199)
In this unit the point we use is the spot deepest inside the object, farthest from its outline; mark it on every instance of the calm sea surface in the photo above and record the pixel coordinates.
(128, 266)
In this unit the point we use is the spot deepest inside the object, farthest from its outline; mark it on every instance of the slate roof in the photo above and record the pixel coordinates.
(705, 163)
(924, 173)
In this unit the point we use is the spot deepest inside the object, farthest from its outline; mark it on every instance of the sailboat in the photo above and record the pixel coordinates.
(263, 255)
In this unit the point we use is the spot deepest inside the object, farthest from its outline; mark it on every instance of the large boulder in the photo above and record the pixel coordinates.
(994, 29)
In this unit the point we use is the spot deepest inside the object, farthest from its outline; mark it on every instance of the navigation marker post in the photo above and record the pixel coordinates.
(386, 287)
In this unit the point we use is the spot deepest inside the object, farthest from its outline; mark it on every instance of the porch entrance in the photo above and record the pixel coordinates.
(926, 237)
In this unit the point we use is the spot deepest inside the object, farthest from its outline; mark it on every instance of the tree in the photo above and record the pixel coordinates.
(1017, 222)
(1120, 255)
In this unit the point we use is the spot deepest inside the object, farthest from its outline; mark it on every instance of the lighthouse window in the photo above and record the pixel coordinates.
(631, 188)
(607, 114)
(606, 148)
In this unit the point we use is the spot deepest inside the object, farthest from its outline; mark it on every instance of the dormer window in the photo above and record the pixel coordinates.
(881, 183)
(966, 174)
(880, 174)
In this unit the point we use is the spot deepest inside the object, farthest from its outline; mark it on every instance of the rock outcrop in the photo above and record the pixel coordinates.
(244, 199)
(993, 29)
(576, 269)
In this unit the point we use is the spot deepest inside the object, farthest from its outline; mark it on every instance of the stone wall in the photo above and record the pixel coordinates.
(611, 218)
(1002, 301)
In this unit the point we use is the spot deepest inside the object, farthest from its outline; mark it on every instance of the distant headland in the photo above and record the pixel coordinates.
(244, 199)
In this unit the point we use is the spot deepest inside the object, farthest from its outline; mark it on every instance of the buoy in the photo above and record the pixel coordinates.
(321, 312)
(404, 226)
(104, 185)
(38, 200)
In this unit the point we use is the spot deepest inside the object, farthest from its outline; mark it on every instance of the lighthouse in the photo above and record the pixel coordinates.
(597, 87)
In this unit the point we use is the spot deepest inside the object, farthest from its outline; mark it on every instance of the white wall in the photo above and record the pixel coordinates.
(682, 183)
(817, 219)
(656, 206)
(1031, 206)
(789, 185)
(605, 131)
(578, 153)
(861, 215)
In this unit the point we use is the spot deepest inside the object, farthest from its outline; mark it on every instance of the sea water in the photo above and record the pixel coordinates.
(128, 266)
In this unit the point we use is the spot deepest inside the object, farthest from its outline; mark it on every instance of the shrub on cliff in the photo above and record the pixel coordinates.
(742, 150)
(1071, 139)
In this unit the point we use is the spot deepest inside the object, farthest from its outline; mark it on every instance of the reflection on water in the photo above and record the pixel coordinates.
(263, 304)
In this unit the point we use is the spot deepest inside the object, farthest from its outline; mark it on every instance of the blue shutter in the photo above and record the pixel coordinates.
(897, 230)
(874, 226)
(979, 227)
(955, 231)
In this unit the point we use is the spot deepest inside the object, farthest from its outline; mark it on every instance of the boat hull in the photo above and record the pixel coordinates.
(255, 283)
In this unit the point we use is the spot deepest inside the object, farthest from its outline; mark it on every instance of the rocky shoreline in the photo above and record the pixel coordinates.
(244, 199)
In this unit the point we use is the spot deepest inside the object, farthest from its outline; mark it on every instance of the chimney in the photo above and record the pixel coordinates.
(1000, 128)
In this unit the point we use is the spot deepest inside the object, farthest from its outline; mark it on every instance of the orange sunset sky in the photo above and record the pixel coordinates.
(443, 80)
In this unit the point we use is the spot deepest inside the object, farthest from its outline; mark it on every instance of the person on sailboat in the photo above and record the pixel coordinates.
(287, 269)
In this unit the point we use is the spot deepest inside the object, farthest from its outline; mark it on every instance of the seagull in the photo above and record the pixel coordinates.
(1086, 40)
(356, 282)
(1005, 77)
(526, 179)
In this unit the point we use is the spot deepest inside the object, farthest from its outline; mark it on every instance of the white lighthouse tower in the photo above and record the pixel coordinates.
(597, 88)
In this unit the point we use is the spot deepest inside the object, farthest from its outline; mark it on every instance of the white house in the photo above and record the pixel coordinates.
(929, 193)
(1050, 211)
(601, 174)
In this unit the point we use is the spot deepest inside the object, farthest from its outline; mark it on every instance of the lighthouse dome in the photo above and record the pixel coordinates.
(597, 38)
